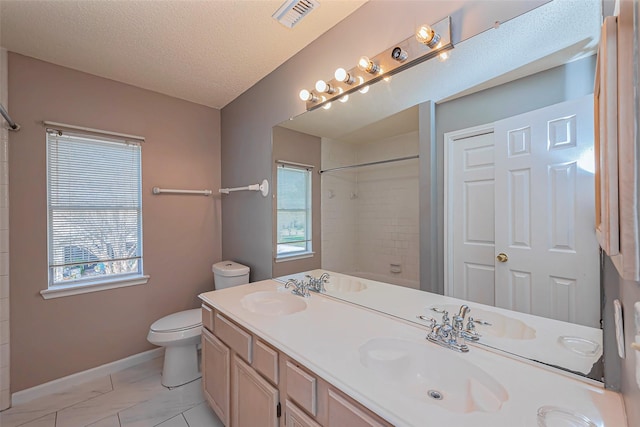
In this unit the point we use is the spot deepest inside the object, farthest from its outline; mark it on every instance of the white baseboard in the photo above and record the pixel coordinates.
(64, 383)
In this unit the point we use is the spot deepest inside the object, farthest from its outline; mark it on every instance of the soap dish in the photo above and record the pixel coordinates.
(581, 346)
(553, 416)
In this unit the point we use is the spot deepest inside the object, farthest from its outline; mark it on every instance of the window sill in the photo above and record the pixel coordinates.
(284, 258)
(99, 285)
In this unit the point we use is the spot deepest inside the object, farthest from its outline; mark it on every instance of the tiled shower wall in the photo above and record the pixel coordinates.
(5, 396)
(370, 215)
(339, 207)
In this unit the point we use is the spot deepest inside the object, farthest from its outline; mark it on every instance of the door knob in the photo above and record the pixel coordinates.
(502, 257)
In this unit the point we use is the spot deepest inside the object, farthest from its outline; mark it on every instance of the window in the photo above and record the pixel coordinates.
(94, 210)
(293, 212)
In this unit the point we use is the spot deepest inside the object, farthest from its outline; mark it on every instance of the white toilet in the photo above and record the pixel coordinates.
(180, 332)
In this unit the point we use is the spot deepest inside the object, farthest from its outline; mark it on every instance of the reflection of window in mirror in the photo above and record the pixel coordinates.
(293, 212)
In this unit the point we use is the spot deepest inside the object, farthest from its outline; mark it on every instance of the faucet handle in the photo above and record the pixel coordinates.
(292, 282)
(445, 317)
(458, 322)
(483, 322)
(432, 322)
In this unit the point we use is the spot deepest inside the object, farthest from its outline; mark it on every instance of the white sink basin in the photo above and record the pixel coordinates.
(270, 303)
(501, 326)
(432, 374)
(344, 285)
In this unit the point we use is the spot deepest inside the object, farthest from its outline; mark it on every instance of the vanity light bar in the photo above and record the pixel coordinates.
(401, 56)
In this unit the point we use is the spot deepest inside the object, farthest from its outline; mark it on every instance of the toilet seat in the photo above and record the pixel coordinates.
(177, 322)
(177, 329)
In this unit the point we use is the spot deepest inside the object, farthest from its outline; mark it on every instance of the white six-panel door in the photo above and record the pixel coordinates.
(472, 218)
(542, 208)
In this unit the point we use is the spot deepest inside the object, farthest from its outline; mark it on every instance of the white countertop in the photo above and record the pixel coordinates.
(326, 338)
(545, 343)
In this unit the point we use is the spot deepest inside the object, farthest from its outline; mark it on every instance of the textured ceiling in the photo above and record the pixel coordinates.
(207, 52)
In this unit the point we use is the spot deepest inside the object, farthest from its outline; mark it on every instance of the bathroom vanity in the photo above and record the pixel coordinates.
(271, 358)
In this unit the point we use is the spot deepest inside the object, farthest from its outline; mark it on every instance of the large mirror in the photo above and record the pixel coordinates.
(419, 189)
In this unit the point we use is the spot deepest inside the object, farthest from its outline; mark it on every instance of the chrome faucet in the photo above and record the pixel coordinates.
(448, 335)
(300, 288)
(453, 335)
(316, 284)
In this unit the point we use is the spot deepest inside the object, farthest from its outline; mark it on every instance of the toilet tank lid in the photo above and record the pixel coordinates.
(229, 269)
(178, 321)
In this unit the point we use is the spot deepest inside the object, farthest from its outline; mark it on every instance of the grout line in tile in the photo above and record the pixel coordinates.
(55, 421)
(185, 419)
(81, 401)
(102, 419)
(111, 381)
(36, 419)
(169, 419)
(119, 421)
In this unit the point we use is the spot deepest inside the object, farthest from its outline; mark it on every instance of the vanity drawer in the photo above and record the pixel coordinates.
(302, 388)
(342, 412)
(265, 361)
(295, 417)
(234, 336)
(207, 317)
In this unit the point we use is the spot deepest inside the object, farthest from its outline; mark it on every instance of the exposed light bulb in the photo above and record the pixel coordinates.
(367, 65)
(342, 76)
(305, 95)
(426, 35)
(399, 54)
(322, 86)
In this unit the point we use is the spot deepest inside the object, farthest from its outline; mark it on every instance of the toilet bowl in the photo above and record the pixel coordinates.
(180, 332)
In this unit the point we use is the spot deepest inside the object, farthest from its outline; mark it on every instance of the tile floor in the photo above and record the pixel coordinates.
(131, 397)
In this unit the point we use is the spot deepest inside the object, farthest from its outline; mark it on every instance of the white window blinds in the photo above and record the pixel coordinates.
(94, 208)
(293, 211)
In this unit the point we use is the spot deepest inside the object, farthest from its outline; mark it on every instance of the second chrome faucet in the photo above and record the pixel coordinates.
(453, 334)
(302, 288)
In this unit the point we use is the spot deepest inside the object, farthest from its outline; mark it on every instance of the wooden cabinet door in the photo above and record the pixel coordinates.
(295, 417)
(215, 375)
(344, 413)
(254, 401)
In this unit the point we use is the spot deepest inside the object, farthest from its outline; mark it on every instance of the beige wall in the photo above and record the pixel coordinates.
(54, 338)
(298, 147)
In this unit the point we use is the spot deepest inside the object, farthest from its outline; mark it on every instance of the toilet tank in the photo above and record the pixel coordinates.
(229, 273)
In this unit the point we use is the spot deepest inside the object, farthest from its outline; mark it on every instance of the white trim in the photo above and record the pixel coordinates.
(84, 288)
(64, 383)
(98, 131)
(295, 257)
(294, 164)
(449, 139)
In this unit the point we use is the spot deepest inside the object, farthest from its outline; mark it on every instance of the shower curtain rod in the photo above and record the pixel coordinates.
(399, 159)
(12, 125)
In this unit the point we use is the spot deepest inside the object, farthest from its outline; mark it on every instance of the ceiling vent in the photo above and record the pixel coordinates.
(292, 11)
